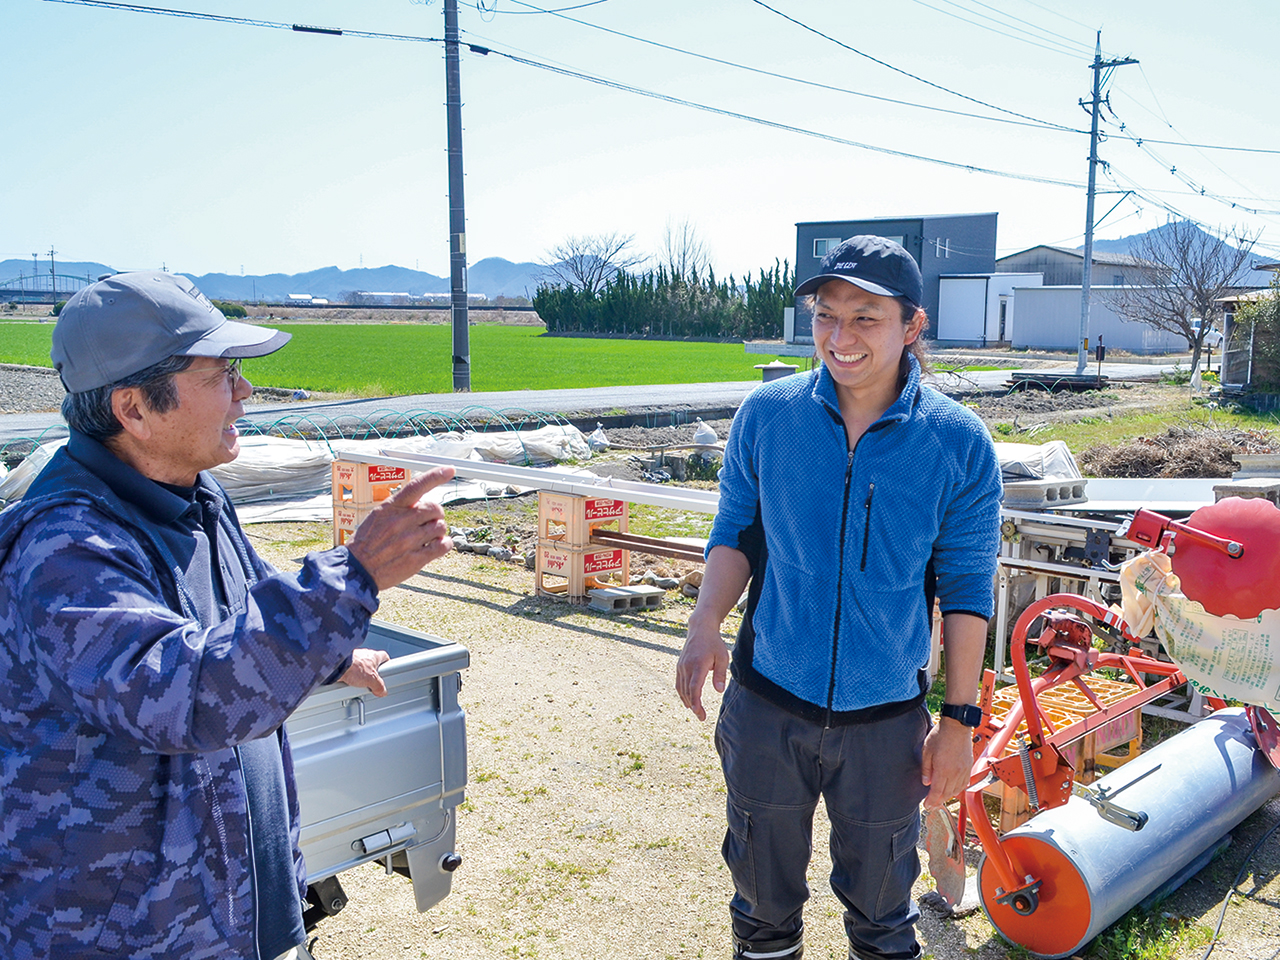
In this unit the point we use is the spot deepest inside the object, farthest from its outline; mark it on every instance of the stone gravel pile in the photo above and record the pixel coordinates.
(29, 389)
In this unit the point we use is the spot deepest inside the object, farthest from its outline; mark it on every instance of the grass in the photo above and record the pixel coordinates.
(1154, 419)
(375, 360)
(370, 360)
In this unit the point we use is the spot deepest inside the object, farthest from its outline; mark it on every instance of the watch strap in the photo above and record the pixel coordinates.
(965, 713)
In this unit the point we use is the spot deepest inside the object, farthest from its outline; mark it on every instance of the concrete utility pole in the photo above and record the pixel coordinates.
(1086, 279)
(457, 209)
(53, 276)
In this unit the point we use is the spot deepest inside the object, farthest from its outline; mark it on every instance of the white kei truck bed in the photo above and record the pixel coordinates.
(380, 778)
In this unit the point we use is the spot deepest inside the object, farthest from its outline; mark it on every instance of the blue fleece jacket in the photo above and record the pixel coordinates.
(846, 547)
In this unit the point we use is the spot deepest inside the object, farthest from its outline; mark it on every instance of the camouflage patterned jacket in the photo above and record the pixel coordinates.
(123, 813)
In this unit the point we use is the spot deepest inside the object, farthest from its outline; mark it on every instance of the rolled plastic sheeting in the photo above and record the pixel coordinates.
(1194, 788)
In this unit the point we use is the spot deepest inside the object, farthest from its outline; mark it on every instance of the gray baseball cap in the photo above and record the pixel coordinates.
(127, 322)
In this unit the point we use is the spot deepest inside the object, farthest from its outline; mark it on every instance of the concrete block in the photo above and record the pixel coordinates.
(1261, 488)
(610, 599)
(1031, 494)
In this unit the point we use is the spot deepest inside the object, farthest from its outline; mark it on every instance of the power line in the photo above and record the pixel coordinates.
(1061, 37)
(247, 21)
(640, 91)
(1052, 46)
(905, 73)
(526, 13)
(1058, 13)
(792, 79)
(1197, 188)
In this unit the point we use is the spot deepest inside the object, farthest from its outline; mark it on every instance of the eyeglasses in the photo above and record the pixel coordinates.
(231, 371)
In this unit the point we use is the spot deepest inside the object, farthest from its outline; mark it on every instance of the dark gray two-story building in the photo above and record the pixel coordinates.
(963, 243)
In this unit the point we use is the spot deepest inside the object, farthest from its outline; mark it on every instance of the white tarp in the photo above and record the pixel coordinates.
(1031, 461)
(294, 477)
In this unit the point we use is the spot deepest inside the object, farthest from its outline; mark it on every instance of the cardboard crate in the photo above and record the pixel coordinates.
(345, 520)
(365, 484)
(575, 571)
(569, 519)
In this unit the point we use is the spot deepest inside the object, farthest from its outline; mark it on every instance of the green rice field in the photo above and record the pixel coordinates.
(372, 360)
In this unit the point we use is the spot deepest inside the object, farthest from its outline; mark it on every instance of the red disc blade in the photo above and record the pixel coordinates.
(1243, 587)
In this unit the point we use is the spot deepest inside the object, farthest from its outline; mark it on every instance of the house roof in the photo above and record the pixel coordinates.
(1115, 259)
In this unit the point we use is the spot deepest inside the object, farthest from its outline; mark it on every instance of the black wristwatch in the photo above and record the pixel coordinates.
(966, 713)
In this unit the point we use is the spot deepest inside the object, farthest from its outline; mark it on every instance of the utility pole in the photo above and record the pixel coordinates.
(1086, 279)
(53, 276)
(35, 273)
(457, 209)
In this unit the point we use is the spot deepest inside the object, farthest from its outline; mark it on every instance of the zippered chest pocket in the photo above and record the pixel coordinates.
(894, 533)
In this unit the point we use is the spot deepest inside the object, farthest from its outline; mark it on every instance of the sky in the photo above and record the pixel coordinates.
(146, 141)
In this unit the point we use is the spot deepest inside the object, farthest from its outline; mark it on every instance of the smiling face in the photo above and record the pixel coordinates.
(197, 434)
(860, 338)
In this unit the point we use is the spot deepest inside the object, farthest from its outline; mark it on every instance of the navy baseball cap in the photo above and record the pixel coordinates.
(876, 264)
(127, 322)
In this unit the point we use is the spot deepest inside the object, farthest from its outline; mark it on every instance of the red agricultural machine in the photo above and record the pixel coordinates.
(1089, 852)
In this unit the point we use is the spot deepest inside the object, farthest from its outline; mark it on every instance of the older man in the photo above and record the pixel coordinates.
(149, 657)
(849, 498)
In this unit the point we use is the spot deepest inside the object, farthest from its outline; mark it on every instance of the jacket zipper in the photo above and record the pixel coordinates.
(866, 528)
(253, 866)
(835, 633)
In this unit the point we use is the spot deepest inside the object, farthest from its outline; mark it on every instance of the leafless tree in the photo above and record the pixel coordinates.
(684, 254)
(1189, 270)
(587, 262)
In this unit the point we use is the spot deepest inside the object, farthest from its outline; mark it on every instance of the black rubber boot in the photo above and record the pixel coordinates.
(788, 948)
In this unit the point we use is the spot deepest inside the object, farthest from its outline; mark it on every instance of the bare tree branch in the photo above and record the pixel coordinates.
(1189, 270)
(587, 262)
(684, 254)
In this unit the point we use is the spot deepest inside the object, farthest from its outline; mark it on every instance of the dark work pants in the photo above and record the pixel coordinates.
(776, 765)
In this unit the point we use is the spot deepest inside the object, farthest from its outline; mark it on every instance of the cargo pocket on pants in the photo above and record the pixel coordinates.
(901, 870)
(738, 852)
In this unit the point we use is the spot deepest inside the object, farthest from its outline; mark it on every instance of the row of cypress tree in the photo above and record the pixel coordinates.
(658, 304)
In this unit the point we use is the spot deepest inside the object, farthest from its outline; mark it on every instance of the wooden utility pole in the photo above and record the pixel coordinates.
(1086, 278)
(457, 208)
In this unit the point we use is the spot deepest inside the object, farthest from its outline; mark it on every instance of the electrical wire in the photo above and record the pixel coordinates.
(905, 73)
(526, 13)
(1197, 188)
(1057, 13)
(1055, 48)
(1235, 883)
(1084, 48)
(640, 91)
(793, 79)
(246, 21)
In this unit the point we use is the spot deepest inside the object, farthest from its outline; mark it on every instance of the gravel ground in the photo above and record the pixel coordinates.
(39, 390)
(29, 389)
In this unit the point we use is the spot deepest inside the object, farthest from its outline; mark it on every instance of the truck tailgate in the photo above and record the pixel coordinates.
(382, 776)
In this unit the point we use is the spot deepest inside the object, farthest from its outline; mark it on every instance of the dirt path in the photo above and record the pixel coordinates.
(594, 811)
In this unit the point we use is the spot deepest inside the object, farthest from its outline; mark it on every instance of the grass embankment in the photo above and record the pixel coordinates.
(372, 360)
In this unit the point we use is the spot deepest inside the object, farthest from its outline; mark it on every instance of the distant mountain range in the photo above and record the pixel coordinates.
(493, 277)
(1245, 277)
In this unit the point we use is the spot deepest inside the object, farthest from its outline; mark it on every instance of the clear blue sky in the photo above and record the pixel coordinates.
(140, 140)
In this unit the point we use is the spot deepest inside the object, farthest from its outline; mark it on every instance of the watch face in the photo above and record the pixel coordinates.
(967, 714)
